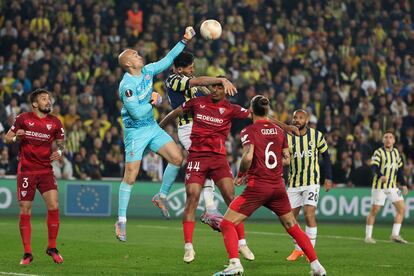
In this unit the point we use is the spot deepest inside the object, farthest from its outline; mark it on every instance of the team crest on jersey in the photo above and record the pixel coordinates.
(187, 176)
(147, 77)
(23, 193)
(222, 110)
(128, 93)
(49, 126)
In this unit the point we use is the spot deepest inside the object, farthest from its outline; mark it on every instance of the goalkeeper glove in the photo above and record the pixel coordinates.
(189, 34)
(156, 99)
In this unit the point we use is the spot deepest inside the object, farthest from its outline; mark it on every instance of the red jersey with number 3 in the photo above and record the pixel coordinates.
(36, 144)
(269, 140)
(212, 123)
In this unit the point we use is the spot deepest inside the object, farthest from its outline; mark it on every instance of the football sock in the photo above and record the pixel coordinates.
(25, 232)
(229, 232)
(240, 231)
(52, 227)
(368, 231)
(188, 228)
(208, 194)
(303, 241)
(396, 229)
(124, 195)
(170, 173)
(315, 264)
(297, 247)
(312, 233)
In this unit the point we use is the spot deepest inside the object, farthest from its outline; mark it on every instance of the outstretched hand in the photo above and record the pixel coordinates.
(229, 88)
(189, 33)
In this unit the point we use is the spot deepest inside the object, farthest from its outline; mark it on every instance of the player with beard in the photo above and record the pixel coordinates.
(304, 175)
(265, 152)
(35, 132)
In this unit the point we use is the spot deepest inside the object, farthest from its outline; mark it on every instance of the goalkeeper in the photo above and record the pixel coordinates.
(141, 131)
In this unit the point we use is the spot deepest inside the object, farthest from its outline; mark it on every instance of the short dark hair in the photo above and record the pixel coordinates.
(390, 131)
(184, 59)
(260, 105)
(36, 93)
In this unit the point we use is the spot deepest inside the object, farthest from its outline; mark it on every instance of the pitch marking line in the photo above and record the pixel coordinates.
(17, 274)
(272, 234)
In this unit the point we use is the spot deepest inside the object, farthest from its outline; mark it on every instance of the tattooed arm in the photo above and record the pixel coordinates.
(60, 143)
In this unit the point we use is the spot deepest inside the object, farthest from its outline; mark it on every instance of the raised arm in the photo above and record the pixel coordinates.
(172, 116)
(286, 128)
(167, 61)
(229, 88)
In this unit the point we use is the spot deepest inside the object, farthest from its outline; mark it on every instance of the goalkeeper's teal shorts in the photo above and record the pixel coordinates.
(137, 140)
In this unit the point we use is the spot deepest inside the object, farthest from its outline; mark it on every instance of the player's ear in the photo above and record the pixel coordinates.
(180, 69)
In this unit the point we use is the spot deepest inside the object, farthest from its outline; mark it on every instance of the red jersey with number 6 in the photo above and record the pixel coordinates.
(36, 143)
(269, 140)
(212, 123)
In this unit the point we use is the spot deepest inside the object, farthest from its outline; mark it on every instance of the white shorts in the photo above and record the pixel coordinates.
(304, 195)
(184, 133)
(378, 196)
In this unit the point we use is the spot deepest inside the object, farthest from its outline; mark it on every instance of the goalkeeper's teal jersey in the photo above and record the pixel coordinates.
(135, 91)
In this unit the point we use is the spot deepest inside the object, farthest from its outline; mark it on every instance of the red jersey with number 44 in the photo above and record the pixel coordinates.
(36, 144)
(212, 123)
(269, 140)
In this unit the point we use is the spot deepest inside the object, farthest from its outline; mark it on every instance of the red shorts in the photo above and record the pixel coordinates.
(253, 198)
(200, 167)
(28, 183)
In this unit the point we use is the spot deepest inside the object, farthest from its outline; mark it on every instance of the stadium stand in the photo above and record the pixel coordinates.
(349, 63)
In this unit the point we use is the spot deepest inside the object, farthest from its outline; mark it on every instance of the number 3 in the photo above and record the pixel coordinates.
(268, 154)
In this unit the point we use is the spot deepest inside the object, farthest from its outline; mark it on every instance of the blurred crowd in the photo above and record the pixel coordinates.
(349, 63)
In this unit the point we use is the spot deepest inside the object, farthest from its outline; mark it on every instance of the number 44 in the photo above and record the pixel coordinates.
(196, 166)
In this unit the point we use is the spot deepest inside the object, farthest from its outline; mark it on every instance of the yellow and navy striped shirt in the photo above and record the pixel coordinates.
(304, 154)
(179, 91)
(389, 162)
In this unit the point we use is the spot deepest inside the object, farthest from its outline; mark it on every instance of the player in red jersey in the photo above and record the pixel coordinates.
(212, 116)
(265, 151)
(36, 131)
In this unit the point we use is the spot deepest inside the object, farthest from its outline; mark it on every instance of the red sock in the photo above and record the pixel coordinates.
(52, 227)
(228, 229)
(25, 232)
(303, 241)
(188, 227)
(240, 230)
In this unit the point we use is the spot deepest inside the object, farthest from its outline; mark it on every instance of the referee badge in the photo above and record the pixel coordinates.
(128, 93)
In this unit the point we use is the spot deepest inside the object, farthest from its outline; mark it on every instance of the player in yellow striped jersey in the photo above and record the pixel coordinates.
(304, 174)
(181, 87)
(388, 169)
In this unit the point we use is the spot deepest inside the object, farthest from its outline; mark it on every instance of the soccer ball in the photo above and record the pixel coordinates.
(210, 29)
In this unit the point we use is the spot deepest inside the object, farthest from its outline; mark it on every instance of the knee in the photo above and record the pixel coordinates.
(53, 206)
(177, 159)
(25, 210)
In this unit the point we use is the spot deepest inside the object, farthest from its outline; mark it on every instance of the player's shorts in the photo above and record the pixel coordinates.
(207, 165)
(378, 196)
(28, 183)
(136, 140)
(184, 133)
(253, 198)
(304, 195)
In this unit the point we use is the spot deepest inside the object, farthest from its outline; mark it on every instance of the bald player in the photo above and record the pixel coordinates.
(304, 174)
(141, 131)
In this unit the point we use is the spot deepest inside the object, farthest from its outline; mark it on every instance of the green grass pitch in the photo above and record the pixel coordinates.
(155, 247)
